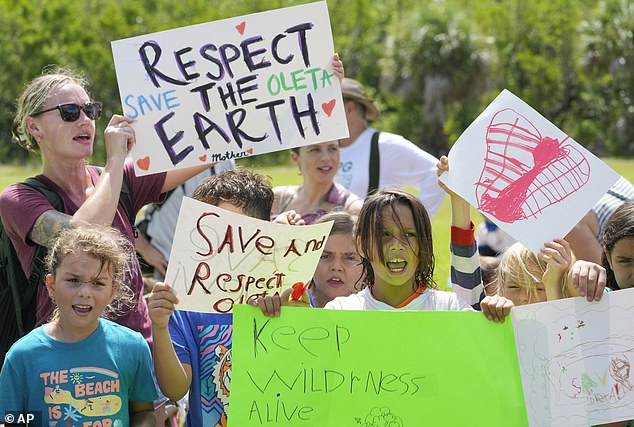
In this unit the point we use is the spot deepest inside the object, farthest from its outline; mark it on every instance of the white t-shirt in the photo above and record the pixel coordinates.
(429, 300)
(402, 164)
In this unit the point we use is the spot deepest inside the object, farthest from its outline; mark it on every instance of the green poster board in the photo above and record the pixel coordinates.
(316, 367)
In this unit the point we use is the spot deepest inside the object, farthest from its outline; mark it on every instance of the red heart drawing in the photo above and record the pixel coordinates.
(525, 172)
(328, 106)
(250, 151)
(240, 27)
(202, 158)
(143, 163)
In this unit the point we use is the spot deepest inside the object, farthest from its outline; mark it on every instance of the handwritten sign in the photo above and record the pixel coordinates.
(575, 358)
(523, 173)
(220, 258)
(314, 367)
(232, 88)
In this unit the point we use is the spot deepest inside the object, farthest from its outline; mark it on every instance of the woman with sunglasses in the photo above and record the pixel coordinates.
(56, 116)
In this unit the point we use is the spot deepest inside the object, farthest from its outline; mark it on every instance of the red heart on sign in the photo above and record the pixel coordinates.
(202, 158)
(328, 106)
(250, 151)
(240, 27)
(525, 172)
(143, 163)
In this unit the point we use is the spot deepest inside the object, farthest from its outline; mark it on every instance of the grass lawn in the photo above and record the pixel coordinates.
(287, 174)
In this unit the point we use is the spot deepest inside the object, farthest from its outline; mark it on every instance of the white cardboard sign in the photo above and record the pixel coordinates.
(525, 174)
(232, 88)
(575, 359)
(220, 258)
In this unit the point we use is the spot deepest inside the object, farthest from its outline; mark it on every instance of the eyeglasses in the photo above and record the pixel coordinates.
(70, 112)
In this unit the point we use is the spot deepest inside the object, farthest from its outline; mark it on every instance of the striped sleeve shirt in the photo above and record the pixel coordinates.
(466, 277)
(619, 193)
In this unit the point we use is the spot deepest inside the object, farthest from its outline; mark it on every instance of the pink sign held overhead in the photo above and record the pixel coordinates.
(521, 171)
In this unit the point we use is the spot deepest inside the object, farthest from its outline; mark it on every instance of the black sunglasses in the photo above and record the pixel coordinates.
(70, 112)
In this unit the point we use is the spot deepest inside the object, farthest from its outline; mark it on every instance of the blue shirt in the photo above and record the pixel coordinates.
(203, 341)
(92, 380)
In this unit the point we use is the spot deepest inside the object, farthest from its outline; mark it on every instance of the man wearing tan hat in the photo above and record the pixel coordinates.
(371, 159)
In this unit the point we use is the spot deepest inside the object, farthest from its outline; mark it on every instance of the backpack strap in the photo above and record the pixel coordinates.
(374, 164)
(36, 275)
(37, 271)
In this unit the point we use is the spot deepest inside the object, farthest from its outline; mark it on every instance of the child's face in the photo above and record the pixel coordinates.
(400, 248)
(82, 290)
(339, 268)
(522, 294)
(621, 260)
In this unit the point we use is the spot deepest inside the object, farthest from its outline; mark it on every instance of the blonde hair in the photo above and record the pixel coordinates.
(521, 266)
(33, 98)
(106, 244)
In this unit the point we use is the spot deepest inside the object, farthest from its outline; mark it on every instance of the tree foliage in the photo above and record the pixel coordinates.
(432, 65)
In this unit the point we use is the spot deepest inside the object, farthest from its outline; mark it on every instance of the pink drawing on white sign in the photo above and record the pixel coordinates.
(524, 173)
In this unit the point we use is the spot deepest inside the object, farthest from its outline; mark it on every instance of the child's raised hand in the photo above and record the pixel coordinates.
(558, 257)
(496, 308)
(337, 66)
(588, 278)
(460, 209)
(161, 303)
(441, 167)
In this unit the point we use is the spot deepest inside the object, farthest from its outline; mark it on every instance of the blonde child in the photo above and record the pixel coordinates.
(80, 366)
(526, 277)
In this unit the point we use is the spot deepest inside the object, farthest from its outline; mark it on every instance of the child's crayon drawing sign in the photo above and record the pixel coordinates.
(525, 172)
(220, 258)
(232, 88)
(575, 359)
(526, 175)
